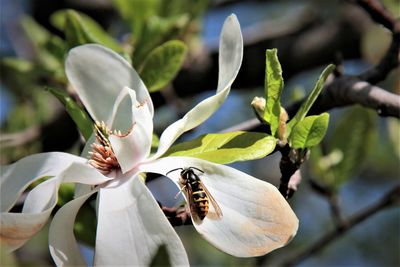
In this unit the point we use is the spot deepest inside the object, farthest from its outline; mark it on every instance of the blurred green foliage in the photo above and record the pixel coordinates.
(344, 152)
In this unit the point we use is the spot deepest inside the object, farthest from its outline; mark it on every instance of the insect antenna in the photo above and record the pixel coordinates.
(196, 169)
(174, 170)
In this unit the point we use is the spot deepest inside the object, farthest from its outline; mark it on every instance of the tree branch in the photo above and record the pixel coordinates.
(350, 90)
(391, 60)
(389, 199)
(378, 13)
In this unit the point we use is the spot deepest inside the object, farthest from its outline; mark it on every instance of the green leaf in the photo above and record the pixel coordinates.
(273, 89)
(136, 13)
(157, 30)
(309, 132)
(37, 34)
(81, 29)
(305, 107)
(226, 147)
(162, 64)
(352, 137)
(78, 115)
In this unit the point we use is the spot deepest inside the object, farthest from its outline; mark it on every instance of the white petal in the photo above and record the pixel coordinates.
(230, 59)
(131, 227)
(131, 149)
(82, 173)
(98, 75)
(81, 189)
(256, 218)
(121, 115)
(62, 243)
(128, 110)
(135, 146)
(16, 177)
(17, 228)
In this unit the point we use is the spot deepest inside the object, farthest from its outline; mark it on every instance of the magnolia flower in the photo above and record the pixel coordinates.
(130, 225)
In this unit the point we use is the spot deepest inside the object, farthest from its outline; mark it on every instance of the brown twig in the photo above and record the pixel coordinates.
(391, 60)
(389, 199)
(349, 90)
(378, 13)
(288, 167)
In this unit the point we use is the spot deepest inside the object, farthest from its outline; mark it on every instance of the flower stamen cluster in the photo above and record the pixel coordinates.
(102, 156)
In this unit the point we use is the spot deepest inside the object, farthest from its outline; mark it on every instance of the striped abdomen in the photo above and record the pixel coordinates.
(200, 199)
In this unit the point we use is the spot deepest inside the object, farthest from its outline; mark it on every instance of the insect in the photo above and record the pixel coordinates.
(196, 193)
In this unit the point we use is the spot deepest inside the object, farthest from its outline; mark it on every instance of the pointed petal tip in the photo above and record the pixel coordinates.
(232, 19)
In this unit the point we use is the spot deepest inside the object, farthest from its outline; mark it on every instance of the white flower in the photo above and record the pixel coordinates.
(130, 225)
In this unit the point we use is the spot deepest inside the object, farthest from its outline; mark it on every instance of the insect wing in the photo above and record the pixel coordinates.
(217, 209)
(189, 196)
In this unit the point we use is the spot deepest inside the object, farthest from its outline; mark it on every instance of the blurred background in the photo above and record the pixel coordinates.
(358, 160)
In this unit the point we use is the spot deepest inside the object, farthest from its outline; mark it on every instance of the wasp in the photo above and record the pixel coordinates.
(196, 193)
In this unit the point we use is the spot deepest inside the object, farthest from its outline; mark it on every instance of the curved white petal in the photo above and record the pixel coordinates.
(256, 218)
(98, 74)
(121, 117)
(82, 173)
(15, 178)
(62, 243)
(230, 59)
(136, 145)
(127, 110)
(81, 189)
(17, 228)
(131, 149)
(131, 227)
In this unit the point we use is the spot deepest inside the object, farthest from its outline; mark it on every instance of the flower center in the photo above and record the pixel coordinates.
(102, 156)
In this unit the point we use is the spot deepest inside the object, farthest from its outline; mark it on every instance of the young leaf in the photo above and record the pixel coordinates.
(309, 131)
(273, 89)
(226, 147)
(79, 116)
(305, 107)
(162, 64)
(81, 29)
